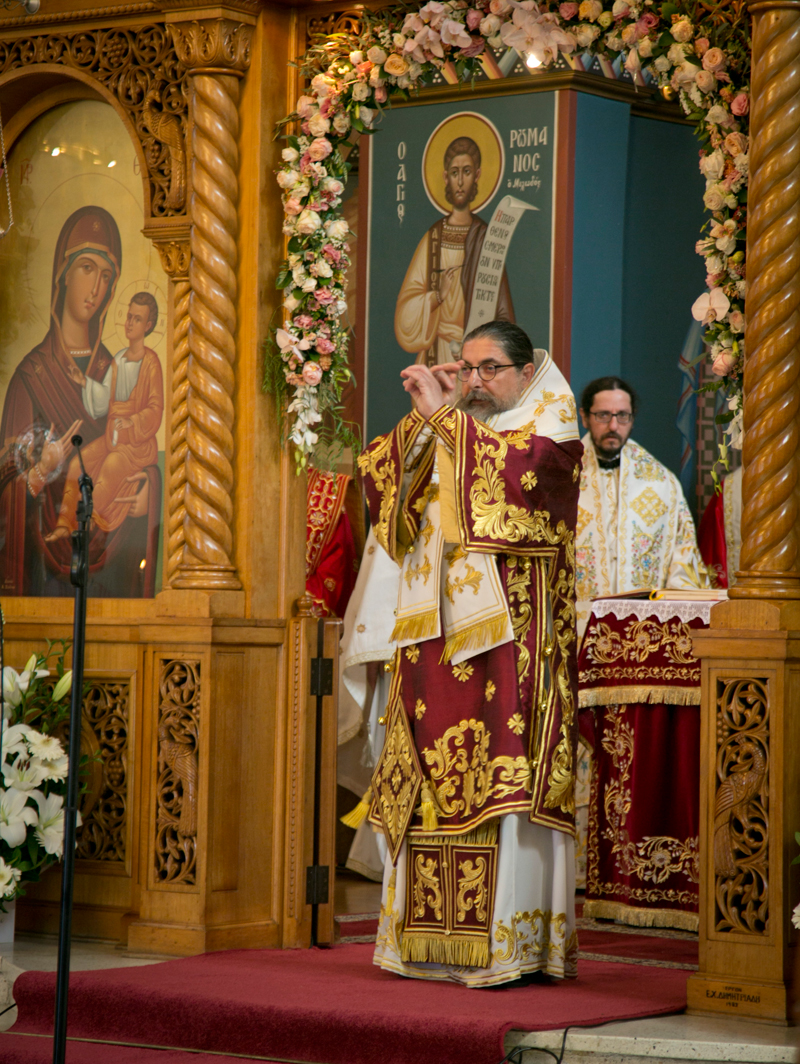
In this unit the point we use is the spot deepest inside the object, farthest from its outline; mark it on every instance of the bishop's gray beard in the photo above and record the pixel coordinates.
(483, 405)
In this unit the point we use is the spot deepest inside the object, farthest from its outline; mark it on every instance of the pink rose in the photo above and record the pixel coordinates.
(477, 46)
(706, 81)
(293, 205)
(736, 144)
(701, 46)
(323, 296)
(325, 347)
(722, 365)
(312, 373)
(648, 22)
(474, 19)
(320, 149)
(303, 321)
(568, 10)
(306, 106)
(332, 254)
(381, 94)
(714, 60)
(740, 104)
(499, 7)
(736, 320)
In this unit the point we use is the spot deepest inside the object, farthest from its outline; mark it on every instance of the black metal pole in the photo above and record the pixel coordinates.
(317, 786)
(79, 576)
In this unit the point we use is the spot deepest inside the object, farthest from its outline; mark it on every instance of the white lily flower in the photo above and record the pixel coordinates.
(9, 877)
(50, 830)
(63, 685)
(25, 774)
(15, 816)
(14, 740)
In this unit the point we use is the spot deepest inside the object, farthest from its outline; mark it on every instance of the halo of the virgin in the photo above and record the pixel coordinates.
(486, 136)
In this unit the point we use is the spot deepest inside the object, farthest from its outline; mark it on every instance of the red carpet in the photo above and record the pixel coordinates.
(24, 1049)
(644, 948)
(331, 1007)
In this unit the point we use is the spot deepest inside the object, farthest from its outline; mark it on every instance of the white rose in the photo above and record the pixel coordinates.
(291, 302)
(365, 114)
(309, 284)
(662, 64)
(683, 31)
(615, 43)
(718, 115)
(341, 123)
(490, 25)
(645, 48)
(727, 244)
(676, 54)
(332, 184)
(376, 55)
(337, 229)
(356, 58)
(714, 264)
(706, 81)
(308, 222)
(586, 33)
(302, 188)
(322, 268)
(620, 8)
(375, 78)
(399, 40)
(713, 198)
(288, 178)
(290, 155)
(318, 125)
(360, 91)
(712, 166)
(298, 275)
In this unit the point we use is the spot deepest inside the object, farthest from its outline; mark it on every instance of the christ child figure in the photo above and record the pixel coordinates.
(132, 395)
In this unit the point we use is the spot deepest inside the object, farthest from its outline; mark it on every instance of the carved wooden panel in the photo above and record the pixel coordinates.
(141, 68)
(347, 22)
(741, 807)
(177, 783)
(104, 806)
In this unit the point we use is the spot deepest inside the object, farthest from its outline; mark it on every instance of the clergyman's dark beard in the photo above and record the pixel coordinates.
(482, 405)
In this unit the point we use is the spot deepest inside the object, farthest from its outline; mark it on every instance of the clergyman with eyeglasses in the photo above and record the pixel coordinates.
(634, 527)
(466, 599)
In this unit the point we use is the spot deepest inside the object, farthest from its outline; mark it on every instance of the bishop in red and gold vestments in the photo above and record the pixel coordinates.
(467, 595)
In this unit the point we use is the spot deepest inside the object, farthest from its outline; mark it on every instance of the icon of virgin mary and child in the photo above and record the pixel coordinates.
(71, 384)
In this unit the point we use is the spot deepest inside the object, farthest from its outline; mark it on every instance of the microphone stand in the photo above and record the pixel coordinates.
(79, 576)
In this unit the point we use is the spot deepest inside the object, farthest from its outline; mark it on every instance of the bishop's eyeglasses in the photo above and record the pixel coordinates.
(486, 371)
(624, 417)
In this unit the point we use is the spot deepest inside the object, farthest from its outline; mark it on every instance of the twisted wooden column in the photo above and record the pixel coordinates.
(180, 417)
(770, 558)
(217, 54)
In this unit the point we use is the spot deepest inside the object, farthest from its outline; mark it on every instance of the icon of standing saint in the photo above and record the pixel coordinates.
(462, 168)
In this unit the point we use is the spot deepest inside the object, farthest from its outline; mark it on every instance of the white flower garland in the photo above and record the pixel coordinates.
(706, 64)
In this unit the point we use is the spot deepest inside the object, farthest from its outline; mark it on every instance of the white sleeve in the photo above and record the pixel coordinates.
(96, 395)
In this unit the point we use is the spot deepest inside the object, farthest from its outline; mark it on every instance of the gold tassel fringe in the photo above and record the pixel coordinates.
(355, 818)
(430, 821)
(460, 950)
(484, 834)
(474, 637)
(625, 696)
(420, 626)
(636, 917)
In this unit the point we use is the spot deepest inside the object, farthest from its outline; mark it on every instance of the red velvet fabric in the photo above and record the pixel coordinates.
(644, 811)
(332, 1006)
(711, 538)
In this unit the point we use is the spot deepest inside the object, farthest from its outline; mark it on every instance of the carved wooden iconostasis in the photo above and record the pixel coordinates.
(196, 821)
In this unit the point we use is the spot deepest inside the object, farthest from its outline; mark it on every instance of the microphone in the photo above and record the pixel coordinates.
(77, 441)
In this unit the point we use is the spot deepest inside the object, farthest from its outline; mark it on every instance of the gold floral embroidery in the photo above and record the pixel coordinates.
(427, 880)
(516, 724)
(426, 531)
(456, 770)
(576, 472)
(361, 628)
(414, 572)
(528, 480)
(641, 640)
(649, 506)
(472, 579)
(453, 555)
(490, 690)
(655, 858)
(397, 778)
(536, 935)
(430, 494)
(412, 653)
(472, 881)
(519, 603)
(463, 671)
(419, 709)
(584, 518)
(376, 463)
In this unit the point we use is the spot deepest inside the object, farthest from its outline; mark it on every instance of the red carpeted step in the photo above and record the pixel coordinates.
(640, 947)
(333, 1006)
(29, 1049)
